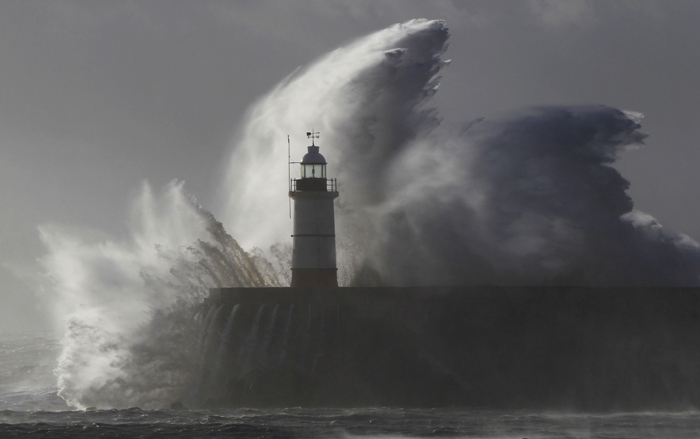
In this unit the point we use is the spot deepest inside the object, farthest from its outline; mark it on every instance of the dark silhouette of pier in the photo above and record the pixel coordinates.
(579, 348)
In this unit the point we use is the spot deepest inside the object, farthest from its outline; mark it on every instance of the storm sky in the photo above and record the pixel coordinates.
(98, 96)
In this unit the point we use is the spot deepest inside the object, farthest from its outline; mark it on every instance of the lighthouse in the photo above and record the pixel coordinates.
(313, 256)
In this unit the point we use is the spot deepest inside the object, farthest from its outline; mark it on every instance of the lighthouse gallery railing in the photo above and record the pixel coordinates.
(331, 184)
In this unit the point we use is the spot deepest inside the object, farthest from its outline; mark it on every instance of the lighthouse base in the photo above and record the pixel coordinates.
(314, 277)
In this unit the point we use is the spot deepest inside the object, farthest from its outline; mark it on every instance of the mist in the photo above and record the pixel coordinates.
(525, 198)
(129, 308)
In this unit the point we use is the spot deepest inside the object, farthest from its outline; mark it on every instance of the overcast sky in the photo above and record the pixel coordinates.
(97, 96)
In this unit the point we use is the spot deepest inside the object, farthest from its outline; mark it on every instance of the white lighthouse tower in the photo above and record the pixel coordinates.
(313, 257)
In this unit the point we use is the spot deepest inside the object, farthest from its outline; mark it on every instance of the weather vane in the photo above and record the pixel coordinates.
(312, 135)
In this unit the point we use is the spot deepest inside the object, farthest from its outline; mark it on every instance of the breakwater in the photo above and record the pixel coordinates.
(578, 348)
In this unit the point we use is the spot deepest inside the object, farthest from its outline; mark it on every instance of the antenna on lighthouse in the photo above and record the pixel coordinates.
(289, 172)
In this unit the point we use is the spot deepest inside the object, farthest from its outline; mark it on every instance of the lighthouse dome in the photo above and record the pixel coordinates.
(313, 157)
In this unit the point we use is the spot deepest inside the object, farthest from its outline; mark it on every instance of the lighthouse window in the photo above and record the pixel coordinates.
(313, 171)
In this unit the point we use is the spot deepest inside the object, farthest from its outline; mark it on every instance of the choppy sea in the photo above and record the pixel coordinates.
(30, 407)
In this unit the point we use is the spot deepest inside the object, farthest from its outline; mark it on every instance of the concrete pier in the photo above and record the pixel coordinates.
(578, 348)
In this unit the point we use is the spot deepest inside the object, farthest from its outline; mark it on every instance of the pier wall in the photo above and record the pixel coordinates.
(573, 348)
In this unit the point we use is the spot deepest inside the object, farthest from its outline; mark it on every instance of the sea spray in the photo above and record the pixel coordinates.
(129, 307)
(357, 94)
(226, 336)
(212, 341)
(250, 346)
(526, 199)
(265, 344)
(214, 374)
(531, 197)
(287, 330)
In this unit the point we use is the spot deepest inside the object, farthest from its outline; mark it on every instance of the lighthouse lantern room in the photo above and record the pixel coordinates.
(313, 256)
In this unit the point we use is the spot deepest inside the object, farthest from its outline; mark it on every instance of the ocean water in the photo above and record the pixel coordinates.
(30, 407)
